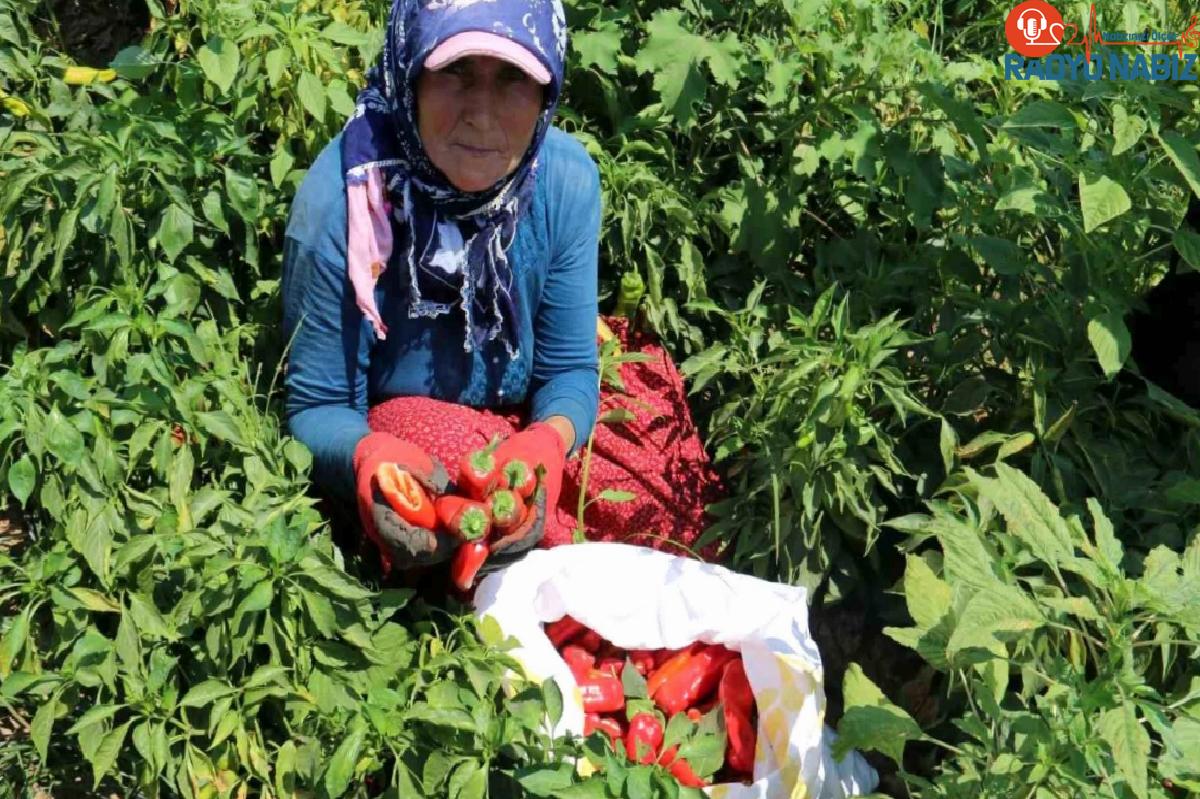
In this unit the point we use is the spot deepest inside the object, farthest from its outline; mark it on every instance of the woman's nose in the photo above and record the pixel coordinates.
(480, 106)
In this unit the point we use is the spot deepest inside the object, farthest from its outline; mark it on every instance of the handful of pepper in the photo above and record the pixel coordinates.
(494, 501)
(656, 705)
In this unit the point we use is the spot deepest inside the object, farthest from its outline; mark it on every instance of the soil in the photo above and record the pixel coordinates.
(851, 632)
(92, 31)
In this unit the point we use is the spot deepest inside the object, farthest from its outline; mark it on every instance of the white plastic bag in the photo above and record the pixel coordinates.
(639, 598)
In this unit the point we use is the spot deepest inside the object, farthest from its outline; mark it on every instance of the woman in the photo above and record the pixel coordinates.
(443, 249)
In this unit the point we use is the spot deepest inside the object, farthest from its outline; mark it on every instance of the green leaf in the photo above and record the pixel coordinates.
(1109, 547)
(312, 95)
(335, 582)
(947, 442)
(95, 601)
(871, 720)
(1183, 155)
(1023, 199)
(469, 781)
(633, 683)
(554, 700)
(146, 618)
(928, 597)
(1111, 341)
(1030, 514)
(593, 788)
(1127, 130)
(220, 424)
(546, 781)
(1042, 114)
(340, 98)
(206, 693)
(341, 33)
(242, 192)
(1103, 200)
(1181, 749)
(281, 164)
(62, 439)
(1015, 444)
(599, 47)
(998, 610)
(967, 559)
(134, 63)
(1002, 255)
(672, 54)
(22, 478)
(219, 58)
(259, 599)
(106, 753)
(14, 640)
(613, 495)
(94, 716)
(341, 765)
(1130, 744)
(1078, 606)
(214, 212)
(175, 231)
(1187, 244)
(42, 725)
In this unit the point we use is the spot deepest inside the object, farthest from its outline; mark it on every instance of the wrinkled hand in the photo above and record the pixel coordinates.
(400, 544)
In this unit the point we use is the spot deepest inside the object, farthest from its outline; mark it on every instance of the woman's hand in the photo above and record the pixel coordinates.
(400, 544)
(541, 444)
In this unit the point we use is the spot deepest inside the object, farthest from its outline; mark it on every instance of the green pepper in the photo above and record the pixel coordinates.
(629, 294)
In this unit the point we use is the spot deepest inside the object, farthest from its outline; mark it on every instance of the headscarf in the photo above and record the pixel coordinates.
(455, 243)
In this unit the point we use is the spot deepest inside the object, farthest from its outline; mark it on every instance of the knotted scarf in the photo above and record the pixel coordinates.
(454, 243)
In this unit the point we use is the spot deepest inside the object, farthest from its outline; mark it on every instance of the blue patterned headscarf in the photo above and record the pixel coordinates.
(454, 243)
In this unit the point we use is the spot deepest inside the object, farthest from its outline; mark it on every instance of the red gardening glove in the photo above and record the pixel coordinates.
(398, 542)
(539, 444)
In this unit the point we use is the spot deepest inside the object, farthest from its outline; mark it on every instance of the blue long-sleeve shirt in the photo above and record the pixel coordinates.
(338, 368)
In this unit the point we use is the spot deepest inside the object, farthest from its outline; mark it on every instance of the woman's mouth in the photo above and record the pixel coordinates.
(476, 152)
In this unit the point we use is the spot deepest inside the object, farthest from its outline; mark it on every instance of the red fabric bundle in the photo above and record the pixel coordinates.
(658, 456)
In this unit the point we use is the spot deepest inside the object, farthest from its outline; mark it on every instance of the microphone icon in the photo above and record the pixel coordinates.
(1032, 25)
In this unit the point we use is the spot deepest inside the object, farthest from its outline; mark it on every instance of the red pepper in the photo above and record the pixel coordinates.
(601, 693)
(477, 470)
(693, 681)
(693, 714)
(467, 561)
(606, 724)
(465, 518)
(644, 737)
(668, 668)
(611, 666)
(518, 476)
(680, 769)
(661, 656)
(506, 510)
(579, 660)
(564, 631)
(737, 699)
(643, 660)
(405, 495)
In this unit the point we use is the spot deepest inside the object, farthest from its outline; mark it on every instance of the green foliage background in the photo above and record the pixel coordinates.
(896, 282)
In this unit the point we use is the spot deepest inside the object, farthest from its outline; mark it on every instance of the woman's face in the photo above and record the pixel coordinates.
(476, 117)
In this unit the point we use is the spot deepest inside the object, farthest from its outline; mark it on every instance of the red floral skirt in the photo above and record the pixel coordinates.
(656, 456)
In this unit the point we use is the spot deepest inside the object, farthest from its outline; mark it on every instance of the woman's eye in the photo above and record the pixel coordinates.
(512, 75)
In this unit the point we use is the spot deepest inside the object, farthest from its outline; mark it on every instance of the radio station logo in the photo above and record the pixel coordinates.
(1041, 39)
